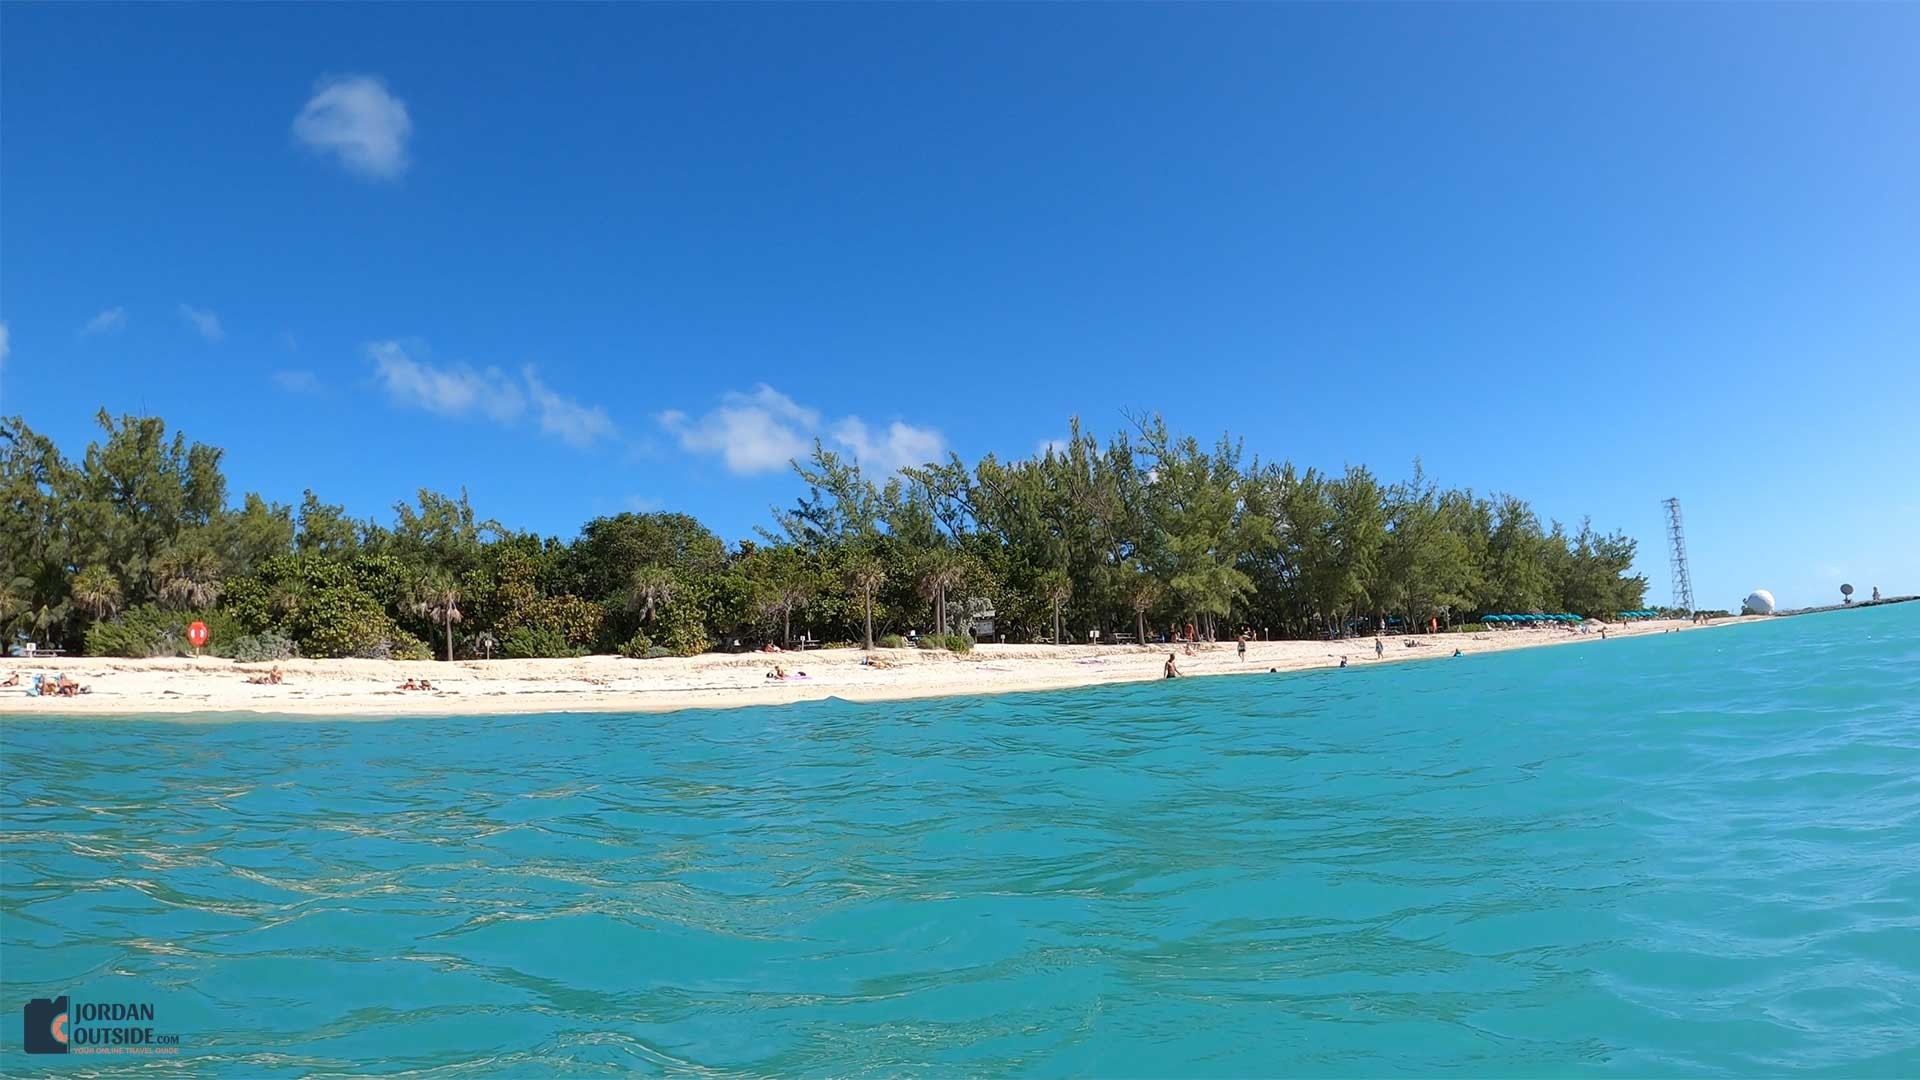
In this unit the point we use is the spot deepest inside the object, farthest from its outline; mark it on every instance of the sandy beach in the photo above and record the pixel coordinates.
(610, 683)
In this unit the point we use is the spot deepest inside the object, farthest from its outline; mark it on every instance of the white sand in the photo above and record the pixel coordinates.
(366, 688)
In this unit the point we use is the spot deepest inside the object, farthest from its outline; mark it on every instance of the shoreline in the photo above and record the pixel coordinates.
(185, 686)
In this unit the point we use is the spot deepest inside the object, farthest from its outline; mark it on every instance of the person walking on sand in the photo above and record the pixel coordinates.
(1379, 648)
(1171, 669)
(1242, 646)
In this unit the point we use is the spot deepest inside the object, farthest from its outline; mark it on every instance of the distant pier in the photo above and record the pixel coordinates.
(1882, 602)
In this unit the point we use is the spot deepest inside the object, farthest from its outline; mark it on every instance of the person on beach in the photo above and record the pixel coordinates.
(1171, 669)
(1343, 661)
(12, 680)
(1379, 648)
(1241, 646)
(1456, 652)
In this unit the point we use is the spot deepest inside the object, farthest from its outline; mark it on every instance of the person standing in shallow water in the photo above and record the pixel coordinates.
(1171, 669)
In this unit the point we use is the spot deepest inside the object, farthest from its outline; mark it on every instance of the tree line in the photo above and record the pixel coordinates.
(1146, 532)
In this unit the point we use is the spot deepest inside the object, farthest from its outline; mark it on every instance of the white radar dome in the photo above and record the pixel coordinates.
(1759, 602)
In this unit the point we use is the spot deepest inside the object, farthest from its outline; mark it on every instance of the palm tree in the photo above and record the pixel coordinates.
(867, 574)
(941, 572)
(13, 599)
(187, 579)
(440, 601)
(650, 588)
(288, 597)
(97, 592)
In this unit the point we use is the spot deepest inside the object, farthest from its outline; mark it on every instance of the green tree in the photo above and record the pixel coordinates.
(440, 602)
(97, 592)
(865, 575)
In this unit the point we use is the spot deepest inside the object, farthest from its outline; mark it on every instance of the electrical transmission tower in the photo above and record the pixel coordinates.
(1677, 558)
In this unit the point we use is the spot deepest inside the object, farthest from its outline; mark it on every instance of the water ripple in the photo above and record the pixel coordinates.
(1694, 854)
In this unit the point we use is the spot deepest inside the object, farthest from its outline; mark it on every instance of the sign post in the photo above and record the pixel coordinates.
(197, 636)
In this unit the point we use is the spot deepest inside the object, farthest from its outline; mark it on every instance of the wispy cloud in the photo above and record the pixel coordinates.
(356, 121)
(566, 419)
(456, 390)
(297, 382)
(5, 347)
(204, 321)
(108, 321)
(763, 429)
(1051, 446)
(460, 390)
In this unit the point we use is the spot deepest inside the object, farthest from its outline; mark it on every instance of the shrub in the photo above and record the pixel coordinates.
(405, 646)
(891, 641)
(682, 633)
(400, 646)
(344, 621)
(148, 630)
(959, 643)
(255, 648)
(529, 642)
(637, 646)
(657, 652)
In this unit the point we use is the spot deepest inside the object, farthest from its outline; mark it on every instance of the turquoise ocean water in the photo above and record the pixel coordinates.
(1691, 854)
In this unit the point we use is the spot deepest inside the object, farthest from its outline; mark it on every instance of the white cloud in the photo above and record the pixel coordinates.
(1051, 446)
(902, 444)
(462, 390)
(297, 382)
(566, 419)
(204, 321)
(5, 348)
(355, 120)
(763, 430)
(450, 391)
(756, 432)
(114, 318)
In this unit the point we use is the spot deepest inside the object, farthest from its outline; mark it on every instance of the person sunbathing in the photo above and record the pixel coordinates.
(778, 672)
(425, 685)
(408, 685)
(12, 680)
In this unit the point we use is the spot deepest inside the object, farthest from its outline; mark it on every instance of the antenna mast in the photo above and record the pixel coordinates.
(1677, 558)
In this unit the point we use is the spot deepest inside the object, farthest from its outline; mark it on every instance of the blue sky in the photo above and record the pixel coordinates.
(584, 259)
